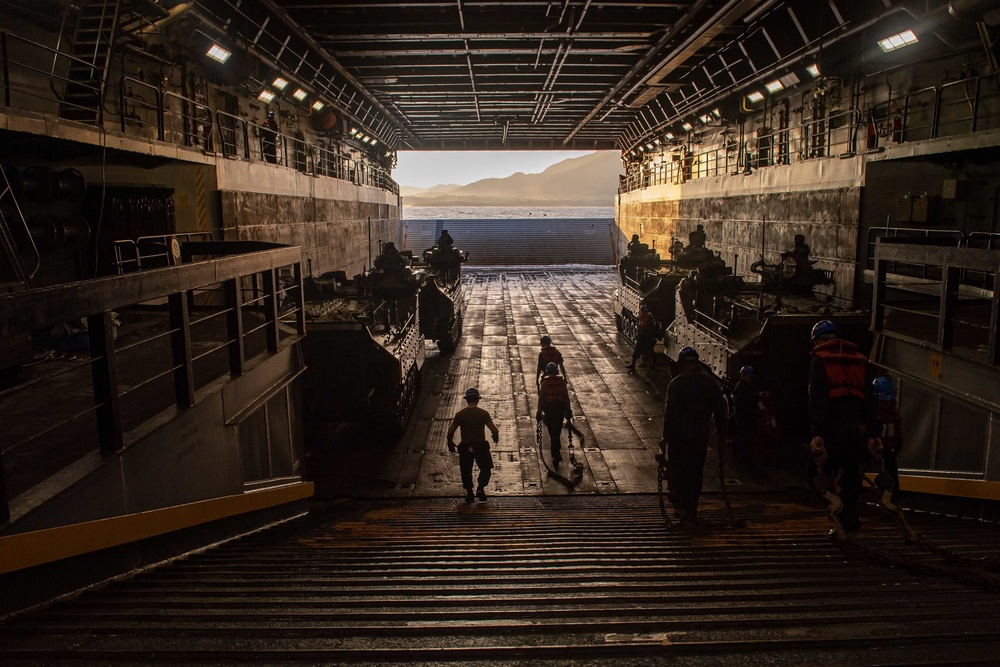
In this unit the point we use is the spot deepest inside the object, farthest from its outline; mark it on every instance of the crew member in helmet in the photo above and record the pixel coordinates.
(549, 354)
(472, 422)
(694, 403)
(890, 436)
(553, 403)
(746, 410)
(842, 416)
(645, 339)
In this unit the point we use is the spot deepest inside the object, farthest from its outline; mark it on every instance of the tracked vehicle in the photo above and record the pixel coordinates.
(732, 323)
(441, 299)
(646, 278)
(364, 348)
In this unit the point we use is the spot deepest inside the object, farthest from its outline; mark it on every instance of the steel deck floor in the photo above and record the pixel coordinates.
(509, 309)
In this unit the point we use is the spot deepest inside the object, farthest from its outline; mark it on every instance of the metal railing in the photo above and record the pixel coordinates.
(23, 78)
(834, 135)
(129, 349)
(147, 252)
(957, 107)
(148, 111)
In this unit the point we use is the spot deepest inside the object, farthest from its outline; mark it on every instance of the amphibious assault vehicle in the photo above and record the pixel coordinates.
(732, 323)
(647, 279)
(364, 347)
(441, 299)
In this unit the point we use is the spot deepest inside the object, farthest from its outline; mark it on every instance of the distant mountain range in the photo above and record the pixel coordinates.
(591, 180)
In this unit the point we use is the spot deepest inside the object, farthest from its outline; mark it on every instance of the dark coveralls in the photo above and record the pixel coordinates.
(472, 423)
(694, 401)
(841, 410)
(553, 401)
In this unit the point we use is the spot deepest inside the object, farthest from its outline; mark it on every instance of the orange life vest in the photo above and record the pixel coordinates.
(845, 368)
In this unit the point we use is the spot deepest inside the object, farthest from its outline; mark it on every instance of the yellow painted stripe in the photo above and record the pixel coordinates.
(946, 486)
(46, 546)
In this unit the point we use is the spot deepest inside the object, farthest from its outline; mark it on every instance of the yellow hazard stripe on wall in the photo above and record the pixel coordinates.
(947, 486)
(201, 200)
(52, 544)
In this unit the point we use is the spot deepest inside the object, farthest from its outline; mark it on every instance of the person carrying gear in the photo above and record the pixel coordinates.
(800, 252)
(842, 417)
(549, 354)
(891, 436)
(746, 411)
(553, 404)
(694, 402)
(645, 339)
(473, 422)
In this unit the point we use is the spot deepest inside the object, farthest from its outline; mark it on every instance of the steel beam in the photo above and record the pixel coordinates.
(104, 374)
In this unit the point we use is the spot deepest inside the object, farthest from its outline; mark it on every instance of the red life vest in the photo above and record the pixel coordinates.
(845, 367)
(553, 390)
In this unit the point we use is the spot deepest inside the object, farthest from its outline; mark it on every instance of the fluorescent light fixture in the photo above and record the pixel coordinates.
(813, 70)
(669, 136)
(705, 120)
(318, 106)
(687, 127)
(789, 79)
(716, 113)
(279, 83)
(266, 96)
(755, 96)
(656, 142)
(299, 94)
(359, 134)
(642, 149)
(774, 86)
(216, 52)
(374, 141)
(353, 131)
(649, 147)
(366, 139)
(898, 41)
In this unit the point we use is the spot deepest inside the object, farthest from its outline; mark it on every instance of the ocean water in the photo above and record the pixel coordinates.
(505, 212)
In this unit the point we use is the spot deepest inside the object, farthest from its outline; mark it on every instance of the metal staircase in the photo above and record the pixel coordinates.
(91, 31)
(520, 580)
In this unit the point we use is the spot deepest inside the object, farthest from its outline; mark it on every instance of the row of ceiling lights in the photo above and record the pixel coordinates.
(266, 96)
(889, 44)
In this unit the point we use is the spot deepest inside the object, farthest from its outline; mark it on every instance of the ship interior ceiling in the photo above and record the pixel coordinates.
(229, 362)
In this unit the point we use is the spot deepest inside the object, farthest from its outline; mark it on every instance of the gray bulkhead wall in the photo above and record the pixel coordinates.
(818, 198)
(329, 218)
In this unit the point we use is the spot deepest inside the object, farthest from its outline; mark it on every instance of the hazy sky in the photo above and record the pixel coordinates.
(424, 169)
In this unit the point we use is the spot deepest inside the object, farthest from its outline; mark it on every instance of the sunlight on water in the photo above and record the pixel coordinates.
(505, 212)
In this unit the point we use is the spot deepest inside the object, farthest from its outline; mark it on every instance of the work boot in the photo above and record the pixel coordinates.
(469, 498)
(480, 493)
